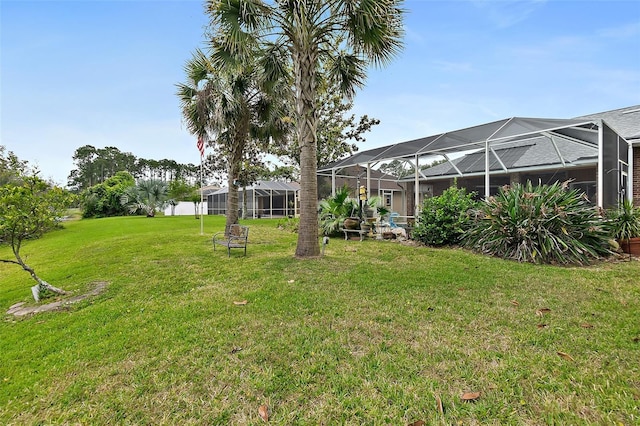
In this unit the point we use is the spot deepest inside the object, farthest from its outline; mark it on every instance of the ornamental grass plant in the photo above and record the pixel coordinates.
(540, 224)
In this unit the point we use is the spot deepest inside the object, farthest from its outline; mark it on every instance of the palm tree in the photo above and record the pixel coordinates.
(340, 36)
(230, 110)
(147, 196)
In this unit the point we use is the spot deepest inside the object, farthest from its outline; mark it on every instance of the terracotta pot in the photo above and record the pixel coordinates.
(631, 246)
(351, 223)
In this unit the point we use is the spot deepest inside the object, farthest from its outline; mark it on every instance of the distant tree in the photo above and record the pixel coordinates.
(180, 190)
(147, 196)
(397, 168)
(95, 165)
(196, 199)
(103, 199)
(28, 210)
(11, 167)
(338, 131)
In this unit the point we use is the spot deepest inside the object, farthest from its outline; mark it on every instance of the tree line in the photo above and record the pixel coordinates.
(94, 166)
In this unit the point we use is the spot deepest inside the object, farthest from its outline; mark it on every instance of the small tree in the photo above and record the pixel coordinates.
(28, 209)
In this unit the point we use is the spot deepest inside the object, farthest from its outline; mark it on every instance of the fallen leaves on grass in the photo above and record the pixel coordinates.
(542, 325)
(515, 303)
(540, 312)
(263, 410)
(470, 396)
(240, 303)
(439, 405)
(586, 325)
(566, 356)
(417, 423)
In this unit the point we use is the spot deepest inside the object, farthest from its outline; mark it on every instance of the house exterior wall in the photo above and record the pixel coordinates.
(636, 175)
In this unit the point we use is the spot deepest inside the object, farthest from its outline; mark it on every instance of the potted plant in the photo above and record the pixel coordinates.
(624, 223)
(335, 212)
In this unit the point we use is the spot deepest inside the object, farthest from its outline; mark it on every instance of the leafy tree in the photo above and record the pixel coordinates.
(337, 131)
(96, 165)
(147, 196)
(179, 190)
(340, 37)
(28, 209)
(103, 199)
(396, 168)
(11, 167)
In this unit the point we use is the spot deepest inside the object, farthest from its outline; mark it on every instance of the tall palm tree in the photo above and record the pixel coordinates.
(341, 36)
(228, 109)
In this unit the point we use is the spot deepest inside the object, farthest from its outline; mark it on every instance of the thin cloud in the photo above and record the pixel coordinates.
(505, 14)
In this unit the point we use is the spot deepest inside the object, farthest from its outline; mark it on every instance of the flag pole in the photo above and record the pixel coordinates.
(200, 146)
(201, 197)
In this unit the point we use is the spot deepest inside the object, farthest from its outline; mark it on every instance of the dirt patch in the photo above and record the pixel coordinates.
(20, 310)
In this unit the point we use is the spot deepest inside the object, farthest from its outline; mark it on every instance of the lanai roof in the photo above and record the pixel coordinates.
(497, 135)
(266, 188)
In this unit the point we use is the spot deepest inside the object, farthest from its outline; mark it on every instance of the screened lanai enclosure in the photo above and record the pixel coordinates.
(588, 152)
(262, 199)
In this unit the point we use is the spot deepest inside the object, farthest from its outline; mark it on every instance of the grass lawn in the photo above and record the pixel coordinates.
(373, 333)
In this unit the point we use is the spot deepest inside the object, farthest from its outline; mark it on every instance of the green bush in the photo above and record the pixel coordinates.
(103, 199)
(541, 224)
(445, 218)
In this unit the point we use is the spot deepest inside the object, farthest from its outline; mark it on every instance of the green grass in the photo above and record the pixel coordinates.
(370, 334)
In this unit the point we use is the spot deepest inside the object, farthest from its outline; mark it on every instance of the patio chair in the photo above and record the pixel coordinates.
(237, 238)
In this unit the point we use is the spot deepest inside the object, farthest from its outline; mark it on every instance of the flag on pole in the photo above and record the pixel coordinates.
(201, 147)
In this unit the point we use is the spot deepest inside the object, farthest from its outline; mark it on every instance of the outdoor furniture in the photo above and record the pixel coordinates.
(237, 238)
(354, 231)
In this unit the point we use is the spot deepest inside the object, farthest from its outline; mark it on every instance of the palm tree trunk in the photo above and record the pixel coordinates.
(306, 123)
(235, 166)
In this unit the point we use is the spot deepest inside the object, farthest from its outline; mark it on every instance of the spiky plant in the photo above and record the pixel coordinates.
(540, 224)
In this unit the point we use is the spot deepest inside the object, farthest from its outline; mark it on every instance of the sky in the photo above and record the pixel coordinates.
(103, 73)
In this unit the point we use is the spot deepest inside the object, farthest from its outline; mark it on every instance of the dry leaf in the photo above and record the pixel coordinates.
(263, 410)
(470, 396)
(235, 350)
(417, 423)
(439, 405)
(515, 303)
(586, 325)
(540, 312)
(242, 302)
(542, 325)
(566, 356)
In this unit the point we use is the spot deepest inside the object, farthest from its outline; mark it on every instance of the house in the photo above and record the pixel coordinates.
(262, 199)
(599, 153)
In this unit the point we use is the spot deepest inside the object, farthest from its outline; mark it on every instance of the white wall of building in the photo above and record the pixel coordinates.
(182, 209)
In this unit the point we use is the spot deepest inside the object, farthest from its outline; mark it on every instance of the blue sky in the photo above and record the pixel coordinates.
(103, 73)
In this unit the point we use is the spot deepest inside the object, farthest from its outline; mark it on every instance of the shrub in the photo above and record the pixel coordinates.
(445, 218)
(541, 224)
